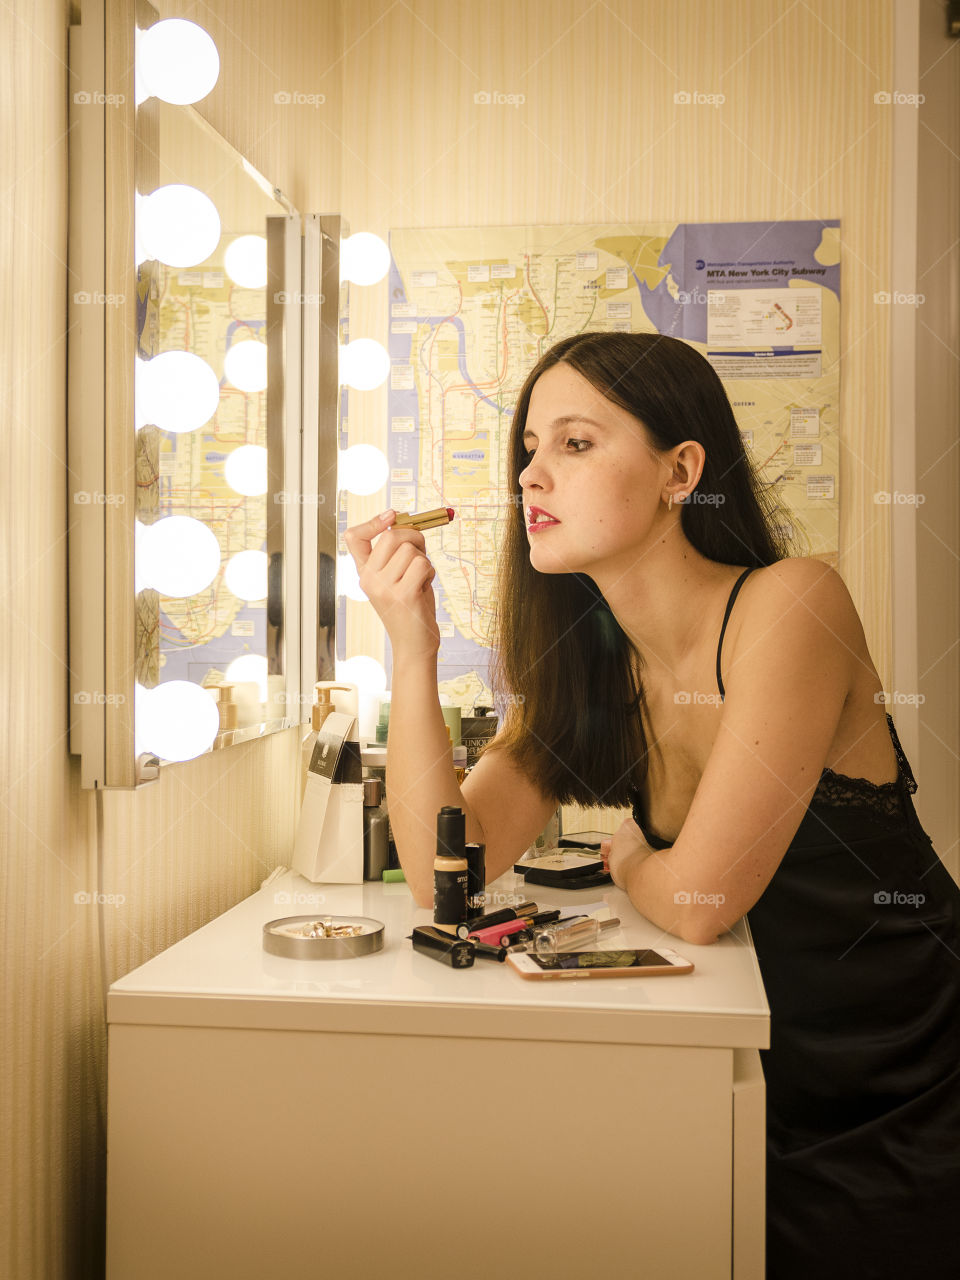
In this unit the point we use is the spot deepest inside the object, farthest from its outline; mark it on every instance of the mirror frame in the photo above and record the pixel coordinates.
(302, 413)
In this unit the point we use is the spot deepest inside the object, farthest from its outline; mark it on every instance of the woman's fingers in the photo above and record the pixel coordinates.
(359, 538)
(418, 575)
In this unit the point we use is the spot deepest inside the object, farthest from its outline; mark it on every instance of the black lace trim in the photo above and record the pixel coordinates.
(883, 799)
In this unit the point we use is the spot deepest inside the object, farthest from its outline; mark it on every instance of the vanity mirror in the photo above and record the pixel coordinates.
(203, 415)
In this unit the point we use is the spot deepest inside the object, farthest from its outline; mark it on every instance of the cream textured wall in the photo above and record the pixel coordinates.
(599, 138)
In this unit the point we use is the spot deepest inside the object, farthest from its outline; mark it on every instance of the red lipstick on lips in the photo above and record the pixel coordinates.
(537, 518)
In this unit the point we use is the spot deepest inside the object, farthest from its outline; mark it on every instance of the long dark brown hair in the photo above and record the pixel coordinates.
(564, 671)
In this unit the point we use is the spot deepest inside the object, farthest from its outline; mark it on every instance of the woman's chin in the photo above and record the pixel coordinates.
(549, 560)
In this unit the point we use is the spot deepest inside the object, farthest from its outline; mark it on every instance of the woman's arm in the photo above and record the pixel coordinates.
(789, 678)
(502, 809)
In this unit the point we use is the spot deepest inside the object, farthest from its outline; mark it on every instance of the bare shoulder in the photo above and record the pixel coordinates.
(800, 610)
(800, 584)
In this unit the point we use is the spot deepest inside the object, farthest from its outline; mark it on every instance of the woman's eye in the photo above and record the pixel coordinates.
(580, 446)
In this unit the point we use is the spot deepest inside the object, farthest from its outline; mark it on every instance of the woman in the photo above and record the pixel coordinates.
(656, 647)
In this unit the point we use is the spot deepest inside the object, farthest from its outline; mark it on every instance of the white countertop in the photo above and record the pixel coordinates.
(220, 976)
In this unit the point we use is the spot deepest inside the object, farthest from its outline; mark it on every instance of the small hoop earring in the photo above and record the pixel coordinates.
(670, 503)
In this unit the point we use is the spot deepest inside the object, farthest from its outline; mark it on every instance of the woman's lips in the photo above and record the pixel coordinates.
(538, 519)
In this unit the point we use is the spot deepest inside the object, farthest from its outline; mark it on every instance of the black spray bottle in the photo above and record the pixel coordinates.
(450, 870)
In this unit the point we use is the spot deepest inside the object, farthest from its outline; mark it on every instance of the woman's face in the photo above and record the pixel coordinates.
(600, 481)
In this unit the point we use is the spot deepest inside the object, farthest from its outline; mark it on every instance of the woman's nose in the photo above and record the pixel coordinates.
(532, 476)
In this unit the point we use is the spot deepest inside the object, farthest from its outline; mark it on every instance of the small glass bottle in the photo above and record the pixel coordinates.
(375, 830)
(568, 935)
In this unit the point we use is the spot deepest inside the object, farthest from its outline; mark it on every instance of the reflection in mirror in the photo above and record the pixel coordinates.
(202, 440)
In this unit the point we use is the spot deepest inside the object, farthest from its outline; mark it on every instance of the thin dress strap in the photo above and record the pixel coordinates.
(733, 595)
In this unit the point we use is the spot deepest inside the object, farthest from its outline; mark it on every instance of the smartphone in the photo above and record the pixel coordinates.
(640, 962)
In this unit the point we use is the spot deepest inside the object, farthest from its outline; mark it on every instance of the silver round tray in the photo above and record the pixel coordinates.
(285, 937)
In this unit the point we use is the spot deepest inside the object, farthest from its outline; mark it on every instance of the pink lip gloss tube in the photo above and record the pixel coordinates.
(495, 932)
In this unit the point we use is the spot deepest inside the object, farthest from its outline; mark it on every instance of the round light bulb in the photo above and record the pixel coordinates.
(251, 668)
(362, 469)
(245, 365)
(246, 575)
(348, 580)
(246, 470)
(178, 556)
(178, 225)
(245, 261)
(177, 61)
(176, 391)
(371, 680)
(364, 258)
(366, 673)
(364, 364)
(176, 721)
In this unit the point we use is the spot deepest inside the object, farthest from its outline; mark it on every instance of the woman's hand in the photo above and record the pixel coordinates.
(624, 851)
(395, 575)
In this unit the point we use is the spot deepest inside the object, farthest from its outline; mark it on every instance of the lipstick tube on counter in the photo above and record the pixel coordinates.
(485, 952)
(425, 519)
(458, 953)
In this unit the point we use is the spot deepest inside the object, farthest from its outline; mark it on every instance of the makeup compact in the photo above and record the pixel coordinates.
(565, 869)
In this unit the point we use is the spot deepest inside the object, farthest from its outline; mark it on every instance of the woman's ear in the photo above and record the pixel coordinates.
(689, 460)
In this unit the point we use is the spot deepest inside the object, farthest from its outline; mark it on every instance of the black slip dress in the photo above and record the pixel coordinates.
(858, 941)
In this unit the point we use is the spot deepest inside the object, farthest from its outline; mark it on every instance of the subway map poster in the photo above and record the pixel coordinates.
(473, 309)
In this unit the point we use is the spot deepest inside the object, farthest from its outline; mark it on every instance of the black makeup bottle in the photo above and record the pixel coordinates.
(450, 870)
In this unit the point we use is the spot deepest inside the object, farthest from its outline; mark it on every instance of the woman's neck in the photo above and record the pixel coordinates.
(662, 598)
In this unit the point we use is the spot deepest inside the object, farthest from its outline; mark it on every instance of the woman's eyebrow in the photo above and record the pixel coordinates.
(564, 421)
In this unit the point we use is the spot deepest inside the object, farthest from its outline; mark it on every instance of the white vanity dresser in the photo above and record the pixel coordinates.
(387, 1116)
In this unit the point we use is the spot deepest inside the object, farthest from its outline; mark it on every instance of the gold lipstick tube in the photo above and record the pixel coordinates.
(425, 519)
